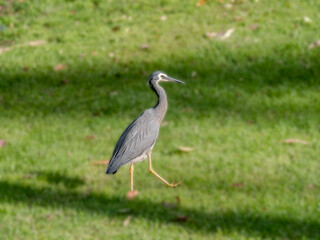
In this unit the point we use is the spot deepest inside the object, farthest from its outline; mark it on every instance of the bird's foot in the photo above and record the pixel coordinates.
(174, 185)
(132, 194)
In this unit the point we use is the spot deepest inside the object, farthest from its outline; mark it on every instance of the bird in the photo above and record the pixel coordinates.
(138, 139)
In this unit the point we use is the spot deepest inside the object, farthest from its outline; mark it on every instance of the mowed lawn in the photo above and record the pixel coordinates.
(73, 76)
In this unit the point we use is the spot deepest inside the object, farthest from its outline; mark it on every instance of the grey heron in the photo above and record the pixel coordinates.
(137, 140)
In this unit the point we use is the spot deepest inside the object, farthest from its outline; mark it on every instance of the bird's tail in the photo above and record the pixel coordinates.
(111, 169)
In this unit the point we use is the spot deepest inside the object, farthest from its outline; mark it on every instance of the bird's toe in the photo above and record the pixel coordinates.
(132, 194)
(174, 185)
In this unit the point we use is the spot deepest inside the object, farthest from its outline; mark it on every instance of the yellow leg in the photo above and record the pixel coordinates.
(173, 185)
(131, 176)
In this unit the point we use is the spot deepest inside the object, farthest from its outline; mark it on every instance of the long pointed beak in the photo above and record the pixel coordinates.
(172, 80)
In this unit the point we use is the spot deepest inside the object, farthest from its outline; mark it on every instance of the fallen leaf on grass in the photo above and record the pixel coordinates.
(116, 28)
(312, 45)
(100, 162)
(312, 186)
(220, 35)
(237, 94)
(60, 67)
(28, 176)
(168, 205)
(127, 220)
(163, 18)
(3, 50)
(124, 210)
(90, 137)
(228, 6)
(113, 93)
(200, 3)
(290, 141)
(64, 81)
(132, 194)
(31, 44)
(211, 34)
(227, 34)
(238, 18)
(307, 19)
(145, 46)
(253, 26)
(181, 218)
(2, 143)
(36, 43)
(237, 185)
(185, 149)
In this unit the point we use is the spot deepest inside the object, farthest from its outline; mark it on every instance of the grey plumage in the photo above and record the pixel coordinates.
(138, 139)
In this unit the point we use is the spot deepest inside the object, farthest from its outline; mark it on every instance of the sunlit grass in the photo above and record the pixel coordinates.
(244, 96)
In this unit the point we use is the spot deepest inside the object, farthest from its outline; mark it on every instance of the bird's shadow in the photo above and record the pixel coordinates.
(249, 222)
(57, 178)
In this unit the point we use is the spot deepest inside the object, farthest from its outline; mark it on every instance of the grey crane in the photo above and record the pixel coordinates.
(138, 139)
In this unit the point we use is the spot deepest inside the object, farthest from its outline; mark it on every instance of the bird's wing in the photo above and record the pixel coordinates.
(138, 137)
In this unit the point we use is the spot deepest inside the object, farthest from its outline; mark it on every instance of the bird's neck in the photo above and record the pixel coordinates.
(162, 104)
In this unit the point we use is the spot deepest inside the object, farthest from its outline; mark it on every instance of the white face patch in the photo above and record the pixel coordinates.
(161, 77)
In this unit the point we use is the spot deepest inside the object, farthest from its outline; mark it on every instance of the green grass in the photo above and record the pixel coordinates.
(250, 92)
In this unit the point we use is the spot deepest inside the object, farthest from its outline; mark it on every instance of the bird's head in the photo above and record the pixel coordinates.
(159, 76)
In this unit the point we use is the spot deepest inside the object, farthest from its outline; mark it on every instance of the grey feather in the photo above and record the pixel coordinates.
(138, 137)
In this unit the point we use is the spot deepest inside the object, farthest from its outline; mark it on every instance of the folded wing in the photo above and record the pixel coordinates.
(138, 137)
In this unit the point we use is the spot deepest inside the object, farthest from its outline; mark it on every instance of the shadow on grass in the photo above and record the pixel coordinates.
(253, 224)
(59, 178)
(223, 88)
